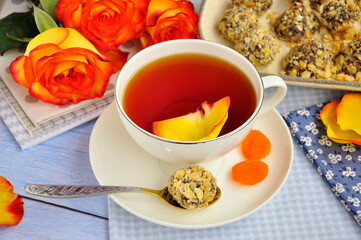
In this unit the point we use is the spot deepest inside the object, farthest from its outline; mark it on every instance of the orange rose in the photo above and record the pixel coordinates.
(61, 65)
(106, 23)
(169, 20)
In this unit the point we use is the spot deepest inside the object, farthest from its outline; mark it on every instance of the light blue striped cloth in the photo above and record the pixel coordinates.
(305, 207)
(23, 129)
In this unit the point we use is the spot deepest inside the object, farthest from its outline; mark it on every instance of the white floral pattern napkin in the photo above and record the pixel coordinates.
(338, 164)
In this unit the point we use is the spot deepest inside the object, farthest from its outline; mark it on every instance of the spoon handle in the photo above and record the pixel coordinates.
(75, 191)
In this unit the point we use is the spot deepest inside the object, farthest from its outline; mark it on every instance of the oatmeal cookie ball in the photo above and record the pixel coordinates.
(358, 3)
(259, 6)
(296, 23)
(339, 15)
(314, 4)
(192, 187)
(310, 59)
(236, 21)
(258, 45)
(348, 62)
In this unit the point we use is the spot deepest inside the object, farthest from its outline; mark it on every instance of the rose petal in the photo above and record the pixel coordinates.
(62, 37)
(74, 73)
(101, 77)
(63, 68)
(38, 91)
(11, 205)
(349, 113)
(334, 132)
(106, 23)
(117, 57)
(169, 8)
(76, 40)
(53, 35)
(22, 71)
(157, 8)
(200, 125)
(168, 20)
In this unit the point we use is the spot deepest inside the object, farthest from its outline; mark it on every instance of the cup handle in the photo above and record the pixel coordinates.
(277, 96)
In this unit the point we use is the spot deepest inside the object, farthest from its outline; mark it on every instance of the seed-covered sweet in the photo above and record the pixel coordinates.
(258, 45)
(236, 21)
(314, 4)
(259, 6)
(296, 23)
(340, 15)
(310, 59)
(192, 187)
(348, 62)
(358, 2)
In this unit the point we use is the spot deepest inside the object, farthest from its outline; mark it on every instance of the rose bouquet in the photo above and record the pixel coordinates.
(73, 45)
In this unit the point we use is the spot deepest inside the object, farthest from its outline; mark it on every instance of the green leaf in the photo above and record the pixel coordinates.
(49, 7)
(20, 25)
(43, 20)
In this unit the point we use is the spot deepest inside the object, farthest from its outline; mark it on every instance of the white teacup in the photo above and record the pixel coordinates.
(186, 152)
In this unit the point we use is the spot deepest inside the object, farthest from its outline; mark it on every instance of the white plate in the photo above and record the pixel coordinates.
(117, 160)
(211, 13)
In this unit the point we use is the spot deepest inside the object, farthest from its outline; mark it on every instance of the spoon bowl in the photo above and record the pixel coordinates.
(78, 191)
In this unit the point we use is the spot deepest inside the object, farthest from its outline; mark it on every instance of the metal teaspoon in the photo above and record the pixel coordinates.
(78, 191)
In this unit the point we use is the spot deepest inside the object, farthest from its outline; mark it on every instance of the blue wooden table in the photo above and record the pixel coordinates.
(62, 160)
(65, 160)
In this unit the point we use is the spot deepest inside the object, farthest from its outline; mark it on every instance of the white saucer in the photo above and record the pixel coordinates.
(117, 160)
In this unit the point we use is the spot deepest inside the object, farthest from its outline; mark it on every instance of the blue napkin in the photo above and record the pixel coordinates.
(338, 164)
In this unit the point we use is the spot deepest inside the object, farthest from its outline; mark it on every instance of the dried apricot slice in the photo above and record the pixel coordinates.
(256, 145)
(249, 172)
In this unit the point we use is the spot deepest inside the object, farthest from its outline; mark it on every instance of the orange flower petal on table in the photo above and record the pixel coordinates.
(349, 113)
(205, 123)
(11, 204)
(334, 132)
